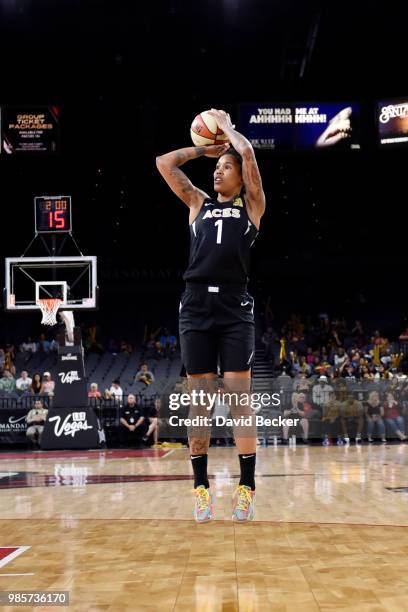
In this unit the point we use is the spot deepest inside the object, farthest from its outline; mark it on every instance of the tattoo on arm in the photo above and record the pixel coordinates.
(169, 167)
(183, 182)
(182, 156)
(252, 177)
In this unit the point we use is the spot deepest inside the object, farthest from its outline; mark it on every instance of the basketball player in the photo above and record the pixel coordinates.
(216, 320)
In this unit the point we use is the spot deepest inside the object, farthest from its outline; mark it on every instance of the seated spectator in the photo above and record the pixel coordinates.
(91, 338)
(268, 339)
(43, 344)
(9, 356)
(349, 373)
(393, 416)
(331, 420)
(94, 392)
(35, 422)
(374, 412)
(144, 375)
(37, 387)
(321, 392)
(54, 345)
(23, 383)
(307, 408)
(113, 346)
(132, 420)
(158, 350)
(28, 346)
(48, 384)
(295, 412)
(365, 373)
(301, 383)
(125, 347)
(152, 418)
(351, 416)
(7, 382)
(171, 343)
(310, 358)
(115, 392)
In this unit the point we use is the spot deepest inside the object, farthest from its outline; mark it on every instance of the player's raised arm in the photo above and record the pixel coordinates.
(169, 167)
(250, 172)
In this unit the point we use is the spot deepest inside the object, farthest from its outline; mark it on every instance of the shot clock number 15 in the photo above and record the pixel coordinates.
(52, 214)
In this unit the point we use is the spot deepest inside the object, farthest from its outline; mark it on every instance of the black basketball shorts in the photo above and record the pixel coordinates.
(216, 326)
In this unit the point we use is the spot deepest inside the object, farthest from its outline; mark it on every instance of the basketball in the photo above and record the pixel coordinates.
(205, 131)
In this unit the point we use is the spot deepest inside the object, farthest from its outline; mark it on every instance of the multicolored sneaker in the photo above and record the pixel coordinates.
(244, 504)
(203, 509)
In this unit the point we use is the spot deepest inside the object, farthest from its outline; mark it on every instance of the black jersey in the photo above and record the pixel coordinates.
(220, 238)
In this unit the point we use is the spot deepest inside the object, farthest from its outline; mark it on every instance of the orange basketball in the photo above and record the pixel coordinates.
(205, 131)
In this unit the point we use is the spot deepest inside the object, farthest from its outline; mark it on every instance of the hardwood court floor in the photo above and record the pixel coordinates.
(115, 529)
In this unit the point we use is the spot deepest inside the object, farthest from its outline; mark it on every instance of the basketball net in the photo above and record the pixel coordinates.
(49, 308)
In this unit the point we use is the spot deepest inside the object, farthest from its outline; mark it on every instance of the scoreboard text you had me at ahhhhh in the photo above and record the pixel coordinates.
(288, 115)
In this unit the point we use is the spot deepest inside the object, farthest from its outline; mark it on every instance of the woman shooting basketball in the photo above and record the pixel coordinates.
(216, 321)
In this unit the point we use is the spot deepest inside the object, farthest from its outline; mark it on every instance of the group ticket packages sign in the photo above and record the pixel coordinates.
(30, 130)
(286, 127)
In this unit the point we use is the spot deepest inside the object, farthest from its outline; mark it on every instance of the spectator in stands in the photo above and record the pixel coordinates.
(7, 382)
(268, 339)
(28, 346)
(321, 391)
(309, 356)
(126, 347)
(355, 359)
(331, 420)
(113, 346)
(168, 343)
(150, 346)
(351, 415)
(152, 418)
(301, 383)
(358, 333)
(340, 358)
(54, 345)
(307, 408)
(9, 356)
(132, 420)
(403, 338)
(144, 375)
(171, 343)
(297, 411)
(43, 344)
(393, 416)
(374, 412)
(349, 373)
(115, 392)
(23, 383)
(35, 422)
(365, 373)
(48, 384)
(94, 392)
(37, 387)
(91, 335)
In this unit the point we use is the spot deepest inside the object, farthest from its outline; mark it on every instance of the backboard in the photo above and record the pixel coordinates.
(71, 279)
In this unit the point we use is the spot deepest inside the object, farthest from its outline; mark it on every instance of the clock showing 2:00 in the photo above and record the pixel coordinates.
(52, 214)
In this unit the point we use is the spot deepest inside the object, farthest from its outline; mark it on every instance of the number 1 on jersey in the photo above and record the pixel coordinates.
(219, 230)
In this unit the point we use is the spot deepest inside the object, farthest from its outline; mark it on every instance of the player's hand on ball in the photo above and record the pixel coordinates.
(222, 118)
(216, 150)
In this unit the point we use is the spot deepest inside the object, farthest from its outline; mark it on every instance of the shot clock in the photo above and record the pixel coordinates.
(52, 214)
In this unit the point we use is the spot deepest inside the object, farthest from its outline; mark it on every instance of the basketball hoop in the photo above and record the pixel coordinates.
(49, 308)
